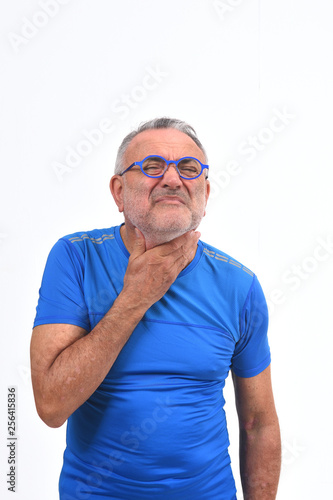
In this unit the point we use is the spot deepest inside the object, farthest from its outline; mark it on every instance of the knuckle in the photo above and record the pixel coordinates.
(174, 244)
(165, 267)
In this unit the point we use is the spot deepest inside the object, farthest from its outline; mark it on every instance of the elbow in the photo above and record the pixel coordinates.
(51, 416)
(250, 425)
(268, 433)
(256, 428)
(49, 408)
(51, 419)
(260, 421)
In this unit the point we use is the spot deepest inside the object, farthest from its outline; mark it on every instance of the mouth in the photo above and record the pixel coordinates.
(170, 200)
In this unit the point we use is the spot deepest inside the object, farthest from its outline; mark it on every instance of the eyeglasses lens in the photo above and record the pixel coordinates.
(188, 167)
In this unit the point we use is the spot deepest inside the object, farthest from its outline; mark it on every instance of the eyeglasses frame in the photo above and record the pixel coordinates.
(175, 162)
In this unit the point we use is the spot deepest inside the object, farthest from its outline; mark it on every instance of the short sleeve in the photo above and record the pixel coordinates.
(252, 352)
(61, 296)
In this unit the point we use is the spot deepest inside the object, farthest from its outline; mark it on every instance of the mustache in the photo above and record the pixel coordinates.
(169, 192)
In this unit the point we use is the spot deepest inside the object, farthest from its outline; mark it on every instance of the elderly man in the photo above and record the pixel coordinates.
(136, 330)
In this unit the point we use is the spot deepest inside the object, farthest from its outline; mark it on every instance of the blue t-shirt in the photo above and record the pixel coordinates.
(155, 427)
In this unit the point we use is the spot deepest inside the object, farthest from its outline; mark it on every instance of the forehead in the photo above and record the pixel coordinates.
(170, 143)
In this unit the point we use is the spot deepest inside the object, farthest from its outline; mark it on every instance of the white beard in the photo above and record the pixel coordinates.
(162, 223)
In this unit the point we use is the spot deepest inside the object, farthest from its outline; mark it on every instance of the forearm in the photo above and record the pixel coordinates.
(80, 368)
(260, 461)
(67, 366)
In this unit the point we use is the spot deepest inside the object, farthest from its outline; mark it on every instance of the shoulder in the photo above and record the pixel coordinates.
(228, 287)
(226, 267)
(239, 284)
(94, 239)
(94, 236)
(76, 246)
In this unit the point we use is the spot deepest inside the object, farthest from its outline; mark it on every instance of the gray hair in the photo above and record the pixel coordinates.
(156, 123)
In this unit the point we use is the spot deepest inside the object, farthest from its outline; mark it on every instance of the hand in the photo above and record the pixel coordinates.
(150, 273)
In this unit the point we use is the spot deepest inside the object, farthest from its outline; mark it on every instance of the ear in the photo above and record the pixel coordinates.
(117, 191)
(207, 191)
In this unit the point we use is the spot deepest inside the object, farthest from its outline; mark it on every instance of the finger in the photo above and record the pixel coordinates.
(188, 250)
(183, 255)
(189, 246)
(139, 246)
(178, 244)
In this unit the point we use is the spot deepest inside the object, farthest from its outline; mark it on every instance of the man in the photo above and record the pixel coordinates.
(136, 330)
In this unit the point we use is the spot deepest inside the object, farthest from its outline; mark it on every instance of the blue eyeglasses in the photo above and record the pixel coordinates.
(155, 166)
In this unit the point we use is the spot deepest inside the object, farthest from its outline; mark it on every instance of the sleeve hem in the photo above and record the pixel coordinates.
(47, 320)
(253, 371)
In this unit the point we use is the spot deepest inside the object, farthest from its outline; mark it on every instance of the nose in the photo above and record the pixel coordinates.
(171, 177)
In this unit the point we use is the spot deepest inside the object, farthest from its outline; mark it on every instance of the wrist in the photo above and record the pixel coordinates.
(129, 307)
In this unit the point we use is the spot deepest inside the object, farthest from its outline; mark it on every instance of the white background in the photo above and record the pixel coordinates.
(227, 68)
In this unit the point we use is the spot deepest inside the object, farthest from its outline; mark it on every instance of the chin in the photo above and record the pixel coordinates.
(161, 228)
(159, 235)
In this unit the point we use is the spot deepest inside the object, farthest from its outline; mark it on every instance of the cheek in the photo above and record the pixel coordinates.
(199, 195)
(136, 195)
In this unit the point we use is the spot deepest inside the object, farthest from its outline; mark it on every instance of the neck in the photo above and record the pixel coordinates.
(128, 236)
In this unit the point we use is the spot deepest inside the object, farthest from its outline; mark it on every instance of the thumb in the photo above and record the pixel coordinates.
(139, 246)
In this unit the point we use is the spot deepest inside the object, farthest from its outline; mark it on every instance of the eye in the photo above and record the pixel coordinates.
(189, 167)
(153, 166)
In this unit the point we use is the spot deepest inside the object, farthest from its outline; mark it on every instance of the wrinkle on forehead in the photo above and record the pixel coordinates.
(169, 143)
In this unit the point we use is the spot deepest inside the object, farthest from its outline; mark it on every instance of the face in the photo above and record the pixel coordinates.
(166, 207)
